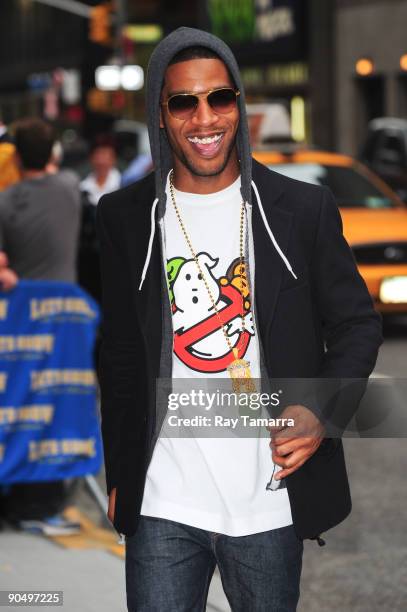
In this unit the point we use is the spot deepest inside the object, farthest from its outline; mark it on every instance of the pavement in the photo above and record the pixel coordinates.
(91, 580)
(362, 568)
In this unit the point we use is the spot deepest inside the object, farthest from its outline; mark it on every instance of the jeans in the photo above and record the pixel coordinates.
(169, 567)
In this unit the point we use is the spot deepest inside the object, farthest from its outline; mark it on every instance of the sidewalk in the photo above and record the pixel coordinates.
(362, 568)
(92, 580)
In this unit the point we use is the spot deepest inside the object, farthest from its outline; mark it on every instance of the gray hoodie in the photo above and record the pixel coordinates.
(180, 39)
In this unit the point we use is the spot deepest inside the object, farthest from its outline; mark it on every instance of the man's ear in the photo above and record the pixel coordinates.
(161, 118)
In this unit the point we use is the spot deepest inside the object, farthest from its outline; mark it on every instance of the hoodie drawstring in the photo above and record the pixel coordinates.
(150, 244)
(266, 225)
(270, 233)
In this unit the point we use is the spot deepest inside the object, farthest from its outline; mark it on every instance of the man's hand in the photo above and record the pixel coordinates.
(112, 504)
(292, 446)
(8, 278)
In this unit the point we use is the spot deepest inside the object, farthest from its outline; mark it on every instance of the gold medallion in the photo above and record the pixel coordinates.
(239, 372)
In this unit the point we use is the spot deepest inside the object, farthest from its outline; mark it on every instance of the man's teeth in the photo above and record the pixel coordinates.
(207, 140)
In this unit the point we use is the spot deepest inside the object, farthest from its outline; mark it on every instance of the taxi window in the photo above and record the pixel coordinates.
(350, 188)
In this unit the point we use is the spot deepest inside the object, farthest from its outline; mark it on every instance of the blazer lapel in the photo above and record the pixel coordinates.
(269, 267)
(148, 300)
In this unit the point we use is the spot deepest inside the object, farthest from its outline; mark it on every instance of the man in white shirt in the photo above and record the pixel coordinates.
(105, 177)
(197, 286)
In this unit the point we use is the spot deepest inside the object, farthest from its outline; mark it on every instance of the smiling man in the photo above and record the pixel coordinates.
(213, 265)
(204, 142)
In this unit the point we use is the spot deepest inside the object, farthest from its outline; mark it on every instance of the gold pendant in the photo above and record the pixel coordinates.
(239, 372)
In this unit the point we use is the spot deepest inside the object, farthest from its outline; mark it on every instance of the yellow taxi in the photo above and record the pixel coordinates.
(374, 218)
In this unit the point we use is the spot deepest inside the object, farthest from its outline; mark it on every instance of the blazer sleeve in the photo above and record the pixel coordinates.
(120, 337)
(352, 328)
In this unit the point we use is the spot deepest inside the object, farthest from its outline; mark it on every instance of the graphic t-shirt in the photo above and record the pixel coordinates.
(213, 483)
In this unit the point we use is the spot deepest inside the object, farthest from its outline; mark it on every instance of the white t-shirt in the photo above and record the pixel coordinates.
(217, 483)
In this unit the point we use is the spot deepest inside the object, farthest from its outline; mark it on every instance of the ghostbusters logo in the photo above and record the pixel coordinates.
(199, 341)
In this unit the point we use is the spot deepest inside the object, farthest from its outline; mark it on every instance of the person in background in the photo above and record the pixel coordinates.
(39, 228)
(105, 177)
(9, 172)
(54, 162)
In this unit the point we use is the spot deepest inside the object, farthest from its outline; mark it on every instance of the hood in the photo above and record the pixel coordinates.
(180, 39)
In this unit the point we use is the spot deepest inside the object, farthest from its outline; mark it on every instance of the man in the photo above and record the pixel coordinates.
(39, 226)
(179, 249)
(39, 216)
(104, 177)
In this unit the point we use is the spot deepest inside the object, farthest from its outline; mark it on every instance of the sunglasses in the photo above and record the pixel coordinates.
(183, 106)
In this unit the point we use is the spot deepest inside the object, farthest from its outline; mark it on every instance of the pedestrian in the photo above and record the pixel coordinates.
(211, 232)
(9, 173)
(105, 177)
(39, 227)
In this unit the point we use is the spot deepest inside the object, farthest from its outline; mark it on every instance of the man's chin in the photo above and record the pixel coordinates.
(206, 171)
(207, 167)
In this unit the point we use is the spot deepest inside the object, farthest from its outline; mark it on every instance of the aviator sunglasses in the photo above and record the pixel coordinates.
(183, 106)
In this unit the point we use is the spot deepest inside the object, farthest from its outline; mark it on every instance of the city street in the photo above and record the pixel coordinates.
(362, 568)
(192, 190)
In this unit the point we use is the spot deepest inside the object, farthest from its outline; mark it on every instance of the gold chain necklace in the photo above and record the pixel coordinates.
(239, 369)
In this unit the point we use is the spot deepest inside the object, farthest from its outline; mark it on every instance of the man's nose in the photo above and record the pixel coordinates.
(204, 114)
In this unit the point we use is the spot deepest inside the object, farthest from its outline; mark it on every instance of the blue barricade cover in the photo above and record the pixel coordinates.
(49, 423)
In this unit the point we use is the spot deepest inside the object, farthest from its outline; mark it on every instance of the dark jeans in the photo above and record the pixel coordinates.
(169, 567)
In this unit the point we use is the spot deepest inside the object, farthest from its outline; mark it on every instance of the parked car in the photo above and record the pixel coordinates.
(385, 152)
(374, 218)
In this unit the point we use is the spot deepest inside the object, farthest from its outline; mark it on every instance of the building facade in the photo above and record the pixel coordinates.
(371, 66)
(285, 51)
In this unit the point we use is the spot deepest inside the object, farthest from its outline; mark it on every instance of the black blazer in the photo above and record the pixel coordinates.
(322, 324)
